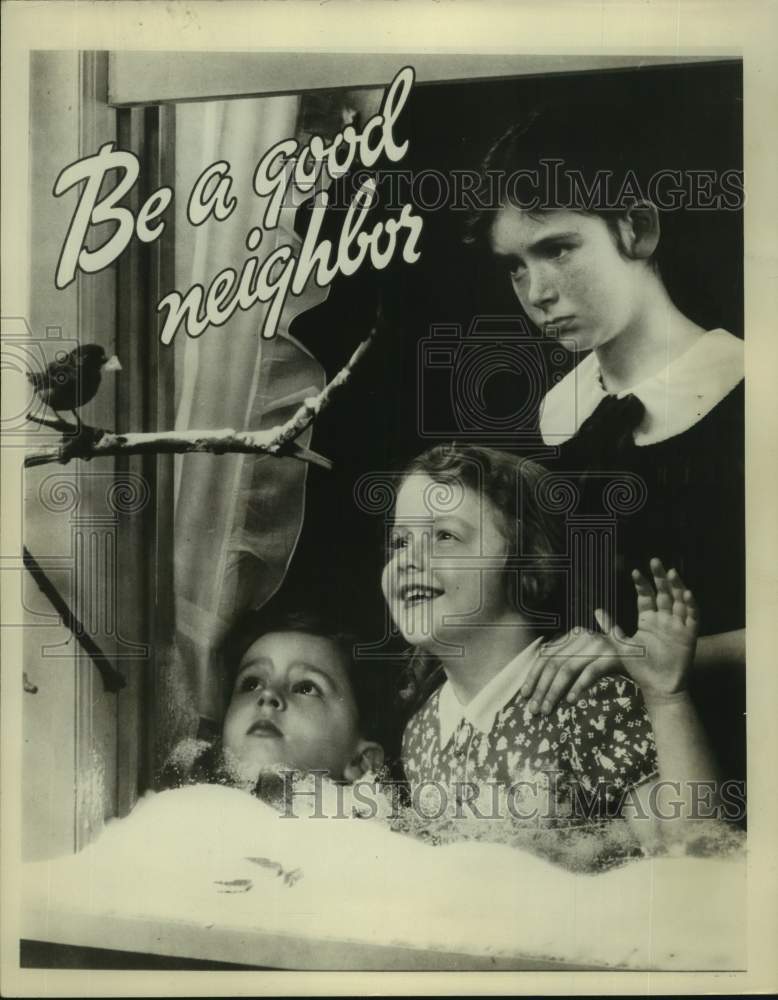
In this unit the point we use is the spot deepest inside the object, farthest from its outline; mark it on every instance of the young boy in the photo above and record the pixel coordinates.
(295, 702)
(298, 703)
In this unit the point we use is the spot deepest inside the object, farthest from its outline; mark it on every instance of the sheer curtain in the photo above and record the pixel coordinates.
(237, 517)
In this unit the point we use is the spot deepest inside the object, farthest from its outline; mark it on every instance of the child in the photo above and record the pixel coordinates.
(471, 584)
(297, 703)
(658, 396)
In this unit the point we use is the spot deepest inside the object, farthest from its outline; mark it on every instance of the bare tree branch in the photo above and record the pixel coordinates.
(95, 443)
(113, 679)
(91, 442)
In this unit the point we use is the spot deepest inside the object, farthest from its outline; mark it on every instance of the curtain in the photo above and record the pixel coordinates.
(237, 517)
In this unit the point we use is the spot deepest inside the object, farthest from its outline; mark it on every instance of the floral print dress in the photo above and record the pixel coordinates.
(578, 763)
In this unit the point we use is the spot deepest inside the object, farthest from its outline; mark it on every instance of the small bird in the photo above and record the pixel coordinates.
(73, 380)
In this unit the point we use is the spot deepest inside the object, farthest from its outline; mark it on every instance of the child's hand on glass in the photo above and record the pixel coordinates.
(667, 630)
(570, 664)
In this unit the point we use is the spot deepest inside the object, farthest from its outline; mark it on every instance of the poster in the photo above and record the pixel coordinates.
(238, 291)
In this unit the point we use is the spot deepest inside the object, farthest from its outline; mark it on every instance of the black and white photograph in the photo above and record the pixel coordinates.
(388, 573)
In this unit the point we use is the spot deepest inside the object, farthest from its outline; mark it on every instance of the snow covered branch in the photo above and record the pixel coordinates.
(91, 442)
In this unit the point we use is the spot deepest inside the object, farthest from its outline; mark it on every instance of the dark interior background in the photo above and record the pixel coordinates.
(692, 113)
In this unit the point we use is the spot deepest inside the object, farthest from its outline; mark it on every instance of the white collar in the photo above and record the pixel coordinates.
(675, 399)
(482, 709)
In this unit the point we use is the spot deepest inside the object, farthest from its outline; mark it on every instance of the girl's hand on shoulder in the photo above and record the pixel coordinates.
(568, 666)
(668, 622)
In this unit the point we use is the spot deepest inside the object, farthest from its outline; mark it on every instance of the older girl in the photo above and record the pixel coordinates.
(657, 396)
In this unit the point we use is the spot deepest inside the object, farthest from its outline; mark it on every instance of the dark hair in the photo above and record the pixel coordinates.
(367, 683)
(582, 158)
(203, 760)
(513, 485)
(255, 623)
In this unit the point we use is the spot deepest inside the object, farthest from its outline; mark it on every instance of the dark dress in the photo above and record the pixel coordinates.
(681, 499)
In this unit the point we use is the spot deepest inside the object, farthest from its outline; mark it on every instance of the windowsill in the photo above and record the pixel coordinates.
(210, 873)
(101, 933)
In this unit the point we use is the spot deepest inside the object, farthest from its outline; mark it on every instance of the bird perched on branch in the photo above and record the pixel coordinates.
(74, 380)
